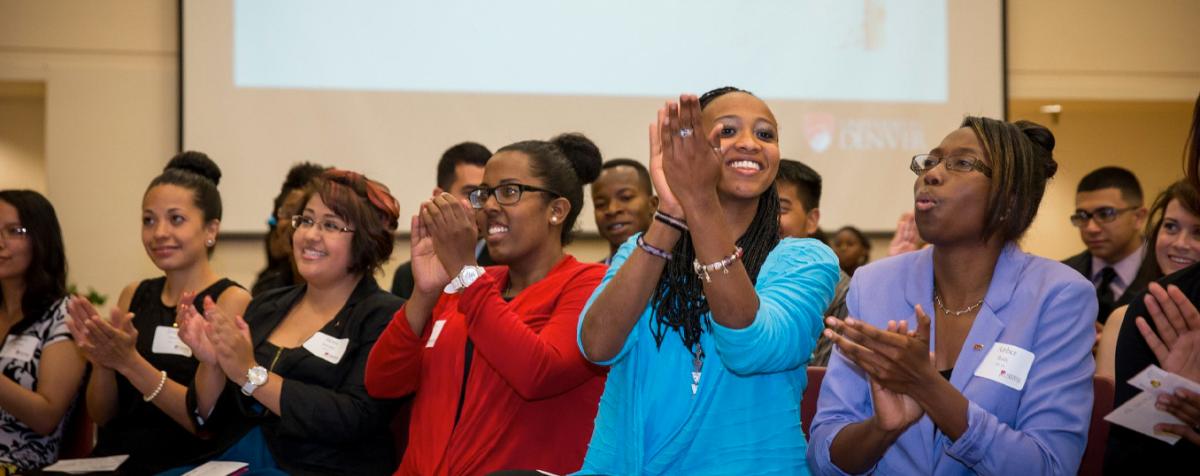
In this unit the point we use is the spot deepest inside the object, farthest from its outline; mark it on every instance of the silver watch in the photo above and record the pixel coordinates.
(256, 377)
(465, 277)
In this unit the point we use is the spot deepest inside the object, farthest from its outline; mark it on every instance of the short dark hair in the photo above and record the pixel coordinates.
(370, 209)
(46, 277)
(806, 180)
(196, 172)
(463, 153)
(1113, 177)
(642, 173)
(1022, 161)
(1182, 192)
(858, 235)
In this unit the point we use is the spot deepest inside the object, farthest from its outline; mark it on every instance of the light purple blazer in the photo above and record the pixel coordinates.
(1033, 303)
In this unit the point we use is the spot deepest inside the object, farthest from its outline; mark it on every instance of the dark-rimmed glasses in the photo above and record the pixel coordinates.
(1101, 215)
(506, 194)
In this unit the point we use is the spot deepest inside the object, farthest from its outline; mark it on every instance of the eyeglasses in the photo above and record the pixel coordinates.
(922, 163)
(13, 232)
(507, 194)
(1101, 215)
(326, 226)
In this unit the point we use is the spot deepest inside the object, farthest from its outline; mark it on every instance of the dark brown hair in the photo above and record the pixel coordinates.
(1181, 191)
(1022, 161)
(368, 207)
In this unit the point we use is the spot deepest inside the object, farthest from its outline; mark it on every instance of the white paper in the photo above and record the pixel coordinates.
(87, 465)
(327, 347)
(167, 341)
(217, 468)
(1138, 414)
(1006, 364)
(19, 348)
(433, 334)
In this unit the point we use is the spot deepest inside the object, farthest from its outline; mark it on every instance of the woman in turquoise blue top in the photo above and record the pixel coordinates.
(708, 319)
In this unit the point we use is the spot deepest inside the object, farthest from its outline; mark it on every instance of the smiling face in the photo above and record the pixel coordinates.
(322, 256)
(174, 232)
(795, 219)
(951, 205)
(749, 142)
(533, 224)
(622, 204)
(16, 251)
(1177, 245)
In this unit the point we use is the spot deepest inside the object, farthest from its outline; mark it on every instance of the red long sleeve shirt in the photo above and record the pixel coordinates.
(530, 398)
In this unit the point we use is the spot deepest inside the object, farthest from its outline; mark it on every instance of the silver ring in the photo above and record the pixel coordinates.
(685, 132)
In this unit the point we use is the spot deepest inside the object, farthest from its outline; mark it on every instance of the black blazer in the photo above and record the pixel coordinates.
(402, 282)
(328, 423)
(1082, 262)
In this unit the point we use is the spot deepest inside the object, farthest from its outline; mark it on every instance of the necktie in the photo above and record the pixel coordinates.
(1104, 294)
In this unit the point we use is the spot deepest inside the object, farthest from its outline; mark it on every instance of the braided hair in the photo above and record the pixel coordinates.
(678, 300)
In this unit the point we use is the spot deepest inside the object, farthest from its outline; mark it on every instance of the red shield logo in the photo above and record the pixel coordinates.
(819, 129)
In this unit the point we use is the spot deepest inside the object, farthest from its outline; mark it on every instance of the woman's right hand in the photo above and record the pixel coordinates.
(429, 275)
(193, 329)
(667, 203)
(1175, 340)
(894, 412)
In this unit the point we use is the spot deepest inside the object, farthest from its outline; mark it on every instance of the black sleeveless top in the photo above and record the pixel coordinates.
(152, 439)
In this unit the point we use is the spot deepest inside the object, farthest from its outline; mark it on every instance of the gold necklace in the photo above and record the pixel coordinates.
(938, 300)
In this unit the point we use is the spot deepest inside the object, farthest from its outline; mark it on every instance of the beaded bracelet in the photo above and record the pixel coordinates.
(161, 382)
(653, 250)
(703, 270)
(671, 221)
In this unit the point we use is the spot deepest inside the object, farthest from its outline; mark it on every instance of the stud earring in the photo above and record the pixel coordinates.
(210, 243)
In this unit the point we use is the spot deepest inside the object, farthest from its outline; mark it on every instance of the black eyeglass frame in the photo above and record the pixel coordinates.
(1102, 215)
(478, 197)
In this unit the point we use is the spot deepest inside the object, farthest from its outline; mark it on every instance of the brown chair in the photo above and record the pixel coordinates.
(808, 404)
(79, 434)
(1093, 455)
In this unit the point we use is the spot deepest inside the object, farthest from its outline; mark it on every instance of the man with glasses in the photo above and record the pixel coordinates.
(1110, 217)
(459, 172)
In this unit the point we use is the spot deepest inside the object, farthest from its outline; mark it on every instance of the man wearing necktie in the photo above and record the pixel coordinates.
(1110, 218)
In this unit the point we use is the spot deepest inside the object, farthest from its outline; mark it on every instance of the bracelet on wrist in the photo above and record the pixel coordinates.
(653, 250)
(162, 381)
(671, 221)
(704, 270)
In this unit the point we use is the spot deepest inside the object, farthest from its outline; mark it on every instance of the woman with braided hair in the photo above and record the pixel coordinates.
(288, 379)
(708, 319)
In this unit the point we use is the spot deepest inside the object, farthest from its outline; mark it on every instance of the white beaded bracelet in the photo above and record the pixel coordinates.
(161, 382)
(703, 270)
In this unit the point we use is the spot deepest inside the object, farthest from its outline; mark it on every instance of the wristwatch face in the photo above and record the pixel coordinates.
(470, 274)
(257, 375)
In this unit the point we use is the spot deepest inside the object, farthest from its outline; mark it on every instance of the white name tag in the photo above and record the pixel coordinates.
(327, 347)
(166, 341)
(19, 348)
(433, 334)
(1006, 364)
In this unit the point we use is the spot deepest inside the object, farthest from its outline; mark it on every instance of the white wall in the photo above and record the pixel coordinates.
(109, 68)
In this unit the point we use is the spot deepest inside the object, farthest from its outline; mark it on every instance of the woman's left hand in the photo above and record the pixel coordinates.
(230, 338)
(452, 228)
(691, 155)
(1175, 340)
(112, 343)
(899, 361)
(1184, 405)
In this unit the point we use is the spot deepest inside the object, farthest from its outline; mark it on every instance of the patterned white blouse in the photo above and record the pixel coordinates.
(20, 359)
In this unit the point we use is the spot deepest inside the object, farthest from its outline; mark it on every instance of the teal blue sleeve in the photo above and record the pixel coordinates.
(795, 286)
(618, 259)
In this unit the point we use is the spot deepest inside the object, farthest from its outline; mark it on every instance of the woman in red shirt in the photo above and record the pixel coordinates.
(491, 354)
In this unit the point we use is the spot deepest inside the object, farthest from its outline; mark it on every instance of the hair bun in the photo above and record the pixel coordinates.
(582, 153)
(1043, 138)
(197, 163)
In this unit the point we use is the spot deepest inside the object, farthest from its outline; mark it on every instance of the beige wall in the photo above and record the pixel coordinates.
(109, 69)
(22, 135)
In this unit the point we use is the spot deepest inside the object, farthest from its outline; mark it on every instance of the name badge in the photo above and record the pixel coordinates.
(1006, 364)
(328, 348)
(19, 348)
(166, 341)
(433, 334)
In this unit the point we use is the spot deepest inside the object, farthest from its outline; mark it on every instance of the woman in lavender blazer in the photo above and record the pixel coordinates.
(1010, 333)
